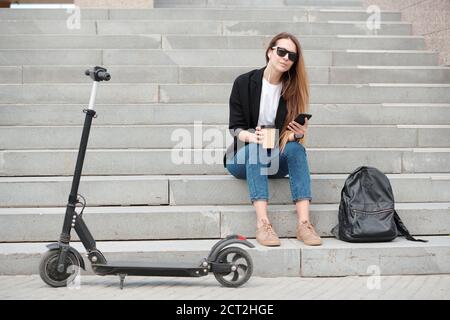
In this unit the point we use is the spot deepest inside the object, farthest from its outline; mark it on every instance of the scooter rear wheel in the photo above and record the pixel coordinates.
(243, 263)
(49, 272)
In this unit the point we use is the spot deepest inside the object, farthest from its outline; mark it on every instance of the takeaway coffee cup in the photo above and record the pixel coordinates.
(269, 133)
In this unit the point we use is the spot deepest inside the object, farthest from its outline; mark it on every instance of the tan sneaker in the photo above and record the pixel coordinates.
(266, 236)
(307, 234)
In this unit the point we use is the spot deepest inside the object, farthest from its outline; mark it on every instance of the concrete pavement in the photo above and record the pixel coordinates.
(423, 287)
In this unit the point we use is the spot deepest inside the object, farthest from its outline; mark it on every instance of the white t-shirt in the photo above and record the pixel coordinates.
(270, 97)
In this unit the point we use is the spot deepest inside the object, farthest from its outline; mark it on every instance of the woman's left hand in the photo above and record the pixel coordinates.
(297, 128)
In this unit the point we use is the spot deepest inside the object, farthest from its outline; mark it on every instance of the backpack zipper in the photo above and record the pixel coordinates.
(371, 212)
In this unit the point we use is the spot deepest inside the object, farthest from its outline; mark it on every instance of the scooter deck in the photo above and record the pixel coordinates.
(139, 268)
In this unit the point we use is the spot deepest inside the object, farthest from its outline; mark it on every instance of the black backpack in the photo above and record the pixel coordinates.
(366, 210)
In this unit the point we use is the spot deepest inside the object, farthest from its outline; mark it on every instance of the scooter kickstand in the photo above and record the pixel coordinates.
(122, 278)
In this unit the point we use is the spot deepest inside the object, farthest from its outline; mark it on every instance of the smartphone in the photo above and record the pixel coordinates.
(301, 118)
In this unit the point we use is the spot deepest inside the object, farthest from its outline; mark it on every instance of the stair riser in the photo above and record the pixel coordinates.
(118, 192)
(253, 3)
(307, 43)
(254, 14)
(232, 191)
(205, 58)
(220, 93)
(200, 224)
(212, 190)
(109, 226)
(209, 75)
(370, 261)
(206, 136)
(89, 27)
(157, 162)
(169, 42)
(285, 261)
(157, 114)
(318, 93)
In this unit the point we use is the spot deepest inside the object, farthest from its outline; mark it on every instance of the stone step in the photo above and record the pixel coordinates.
(51, 14)
(198, 222)
(160, 114)
(307, 14)
(117, 190)
(375, 74)
(222, 74)
(123, 114)
(200, 190)
(78, 93)
(253, 3)
(200, 135)
(288, 14)
(156, 41)
(140, 93)
(39, 27)
(150, 41)
(325, 93)
(292, 258)
(166, 161)
(382, 57)
(213, 27)
(339, 42)
(250, 28)
(87, 57)
(208, 57)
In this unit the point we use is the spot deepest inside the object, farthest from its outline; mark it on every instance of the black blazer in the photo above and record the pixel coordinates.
(244, 108)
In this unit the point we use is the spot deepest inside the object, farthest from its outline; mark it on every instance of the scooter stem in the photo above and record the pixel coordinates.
(97, 74)
(93, 95)
(71, 216)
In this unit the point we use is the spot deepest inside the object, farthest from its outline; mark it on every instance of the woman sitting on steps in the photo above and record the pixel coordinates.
(273, 96)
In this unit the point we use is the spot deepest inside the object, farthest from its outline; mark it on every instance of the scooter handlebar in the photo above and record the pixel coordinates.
(98, 74)
(105, 76)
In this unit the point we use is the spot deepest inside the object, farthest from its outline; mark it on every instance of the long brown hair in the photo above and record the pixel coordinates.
(295, 87)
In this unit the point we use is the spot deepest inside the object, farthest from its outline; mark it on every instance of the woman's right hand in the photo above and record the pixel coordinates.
(258, 136)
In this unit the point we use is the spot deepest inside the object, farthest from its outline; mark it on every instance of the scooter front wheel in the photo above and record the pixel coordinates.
(48, 269)
(242, 265)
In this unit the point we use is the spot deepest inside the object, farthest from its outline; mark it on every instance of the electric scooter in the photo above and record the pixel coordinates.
(232, 266)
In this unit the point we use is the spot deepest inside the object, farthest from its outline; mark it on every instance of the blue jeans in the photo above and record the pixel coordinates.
(256, 164)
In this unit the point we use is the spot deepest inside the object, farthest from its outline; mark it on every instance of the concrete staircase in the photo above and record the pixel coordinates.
(377, 96)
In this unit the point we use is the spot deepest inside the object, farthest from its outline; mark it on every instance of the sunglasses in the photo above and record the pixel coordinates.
(282, 53)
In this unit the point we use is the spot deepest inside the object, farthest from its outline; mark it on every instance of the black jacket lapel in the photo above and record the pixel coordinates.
(281, 114)
(255, 94)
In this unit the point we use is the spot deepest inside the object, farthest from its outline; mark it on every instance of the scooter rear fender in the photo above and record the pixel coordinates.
(238, 239)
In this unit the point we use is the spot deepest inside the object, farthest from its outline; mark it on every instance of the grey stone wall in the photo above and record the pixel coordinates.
(430, 18)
